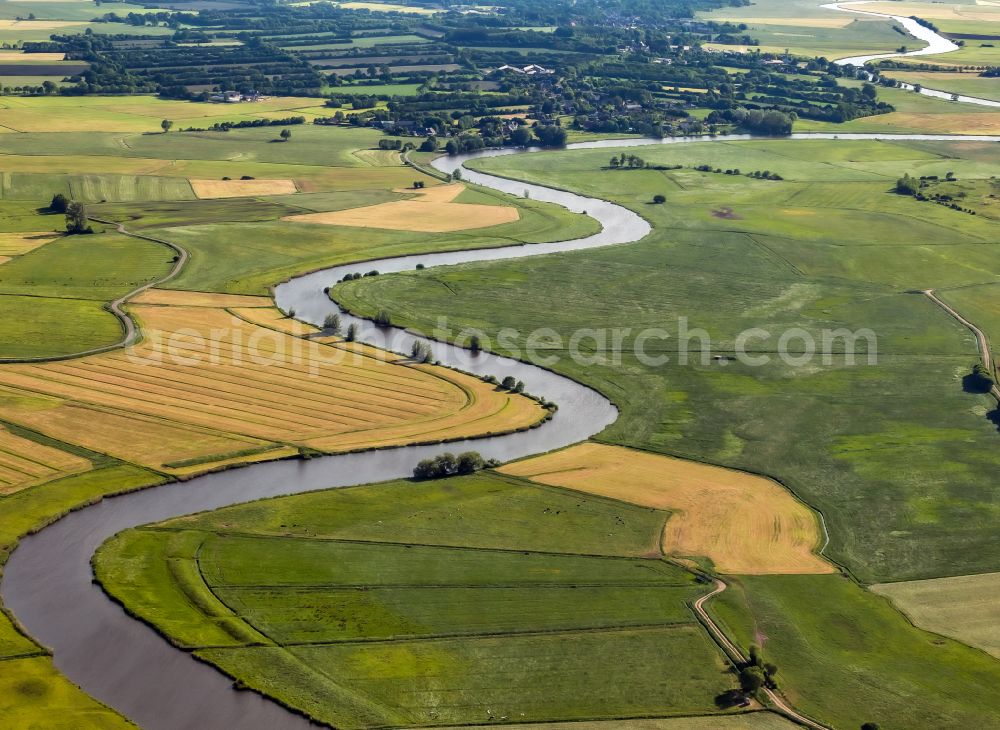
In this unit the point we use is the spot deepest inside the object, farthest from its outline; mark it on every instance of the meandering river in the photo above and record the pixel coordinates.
(936, 44)
(47, 583)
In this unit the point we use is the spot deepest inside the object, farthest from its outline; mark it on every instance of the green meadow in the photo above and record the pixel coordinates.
(452, 601)
(57, 294)
(895, 454)
(847, 657)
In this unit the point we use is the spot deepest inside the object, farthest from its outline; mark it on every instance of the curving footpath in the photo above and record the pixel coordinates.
(739, 657)
(131, 332)
(47, 583)
(981, 339)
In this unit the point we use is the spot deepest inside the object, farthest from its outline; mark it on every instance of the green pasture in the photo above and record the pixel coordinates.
(846, 657)
(896, 454)
(437, 601)
(54, 297)
(258, 255)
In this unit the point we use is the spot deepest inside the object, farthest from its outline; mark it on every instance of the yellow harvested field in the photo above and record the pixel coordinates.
(431, 212)
(935, 10)
(241, 188)
(15, 56)
(172, 298)
(17, 244)
(38, 24)
(744, 524)
(965, 607)
(437, 194)
(208, 386)
(4, 259)
(25, 463)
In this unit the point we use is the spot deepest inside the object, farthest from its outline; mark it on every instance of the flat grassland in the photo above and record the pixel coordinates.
(917, 114)
(964, 607)
(899, 458)
(968, 84)
(745, 721)
(830, 247)
(847, 656)
(257, 391)
(741, 522)
(143, 180)
(432, 211)
(805, 28)
(53, 295)
(483, 596)
(138, 114)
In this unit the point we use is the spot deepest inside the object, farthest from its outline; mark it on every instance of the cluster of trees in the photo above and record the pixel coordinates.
(245, 124)
(77, 219)
(770, 122)
(549, 135)
(980, 380)
(509, 382)
(922, 189)
(758, 669)
(630, 162)
(356, 275)
(756, 174)
(449, 465)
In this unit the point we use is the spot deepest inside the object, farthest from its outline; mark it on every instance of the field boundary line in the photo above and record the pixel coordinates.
(735, 655)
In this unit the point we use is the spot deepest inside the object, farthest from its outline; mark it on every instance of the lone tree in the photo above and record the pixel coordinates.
(907, 185)
(352, 332)
(286, 134)
(59, 203)
(659, 199)
(980, 380)
(165, 125)
(76, 219)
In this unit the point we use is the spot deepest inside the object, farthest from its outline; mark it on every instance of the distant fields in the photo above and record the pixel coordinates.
(807, 29)
(482, 614)
(964, 607)
(968, 84)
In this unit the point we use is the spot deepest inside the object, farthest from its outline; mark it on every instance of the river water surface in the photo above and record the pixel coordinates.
(47, 583)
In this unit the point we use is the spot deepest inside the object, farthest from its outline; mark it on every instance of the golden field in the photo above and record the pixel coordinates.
(431, 212)
(241, 188)
(206, 388)
(25, 463)
(744, 524)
